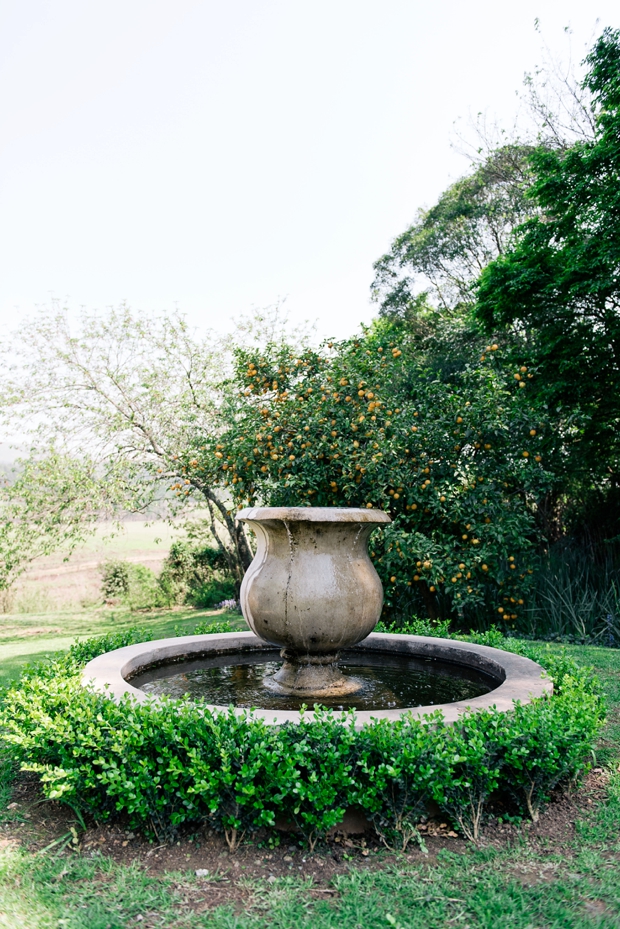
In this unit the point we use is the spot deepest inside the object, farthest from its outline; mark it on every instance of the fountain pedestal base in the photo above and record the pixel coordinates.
(311, 676)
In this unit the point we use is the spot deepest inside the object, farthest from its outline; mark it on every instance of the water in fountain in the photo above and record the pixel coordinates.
(385, 682)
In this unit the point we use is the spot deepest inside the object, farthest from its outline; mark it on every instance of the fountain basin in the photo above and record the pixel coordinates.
(515, 678)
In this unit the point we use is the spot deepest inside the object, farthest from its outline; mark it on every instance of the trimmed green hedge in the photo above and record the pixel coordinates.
(167, 763)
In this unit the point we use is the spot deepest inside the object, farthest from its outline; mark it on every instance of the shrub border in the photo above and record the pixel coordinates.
(169, 764)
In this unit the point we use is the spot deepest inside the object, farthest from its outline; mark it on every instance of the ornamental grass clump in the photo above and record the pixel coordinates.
(166, 764)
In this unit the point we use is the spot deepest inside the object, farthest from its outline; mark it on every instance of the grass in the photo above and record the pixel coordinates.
(26, 638)
(486, 890)
(562, 884)
(574, 885)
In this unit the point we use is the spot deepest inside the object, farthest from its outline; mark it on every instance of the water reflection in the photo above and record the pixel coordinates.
(389, 682)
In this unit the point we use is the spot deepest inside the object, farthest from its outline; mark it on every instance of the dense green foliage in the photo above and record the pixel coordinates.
(134, 585)
(191, 574)
(576, 597)
(456, 462)
(554, 296)
(196, 574)
(166, 763)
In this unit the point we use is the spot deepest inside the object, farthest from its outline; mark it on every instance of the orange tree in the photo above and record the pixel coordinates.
(457, 463)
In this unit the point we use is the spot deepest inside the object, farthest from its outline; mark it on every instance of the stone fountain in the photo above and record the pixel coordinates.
(312, 593)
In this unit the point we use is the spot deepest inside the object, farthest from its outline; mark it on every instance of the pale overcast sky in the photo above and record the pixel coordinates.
(216, 156)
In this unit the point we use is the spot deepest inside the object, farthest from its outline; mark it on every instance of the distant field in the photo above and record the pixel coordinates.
(53, 583)
(58, 601)
(135, 535)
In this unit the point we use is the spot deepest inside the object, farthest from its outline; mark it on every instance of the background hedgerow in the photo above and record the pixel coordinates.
(191, 574)
(169, 763)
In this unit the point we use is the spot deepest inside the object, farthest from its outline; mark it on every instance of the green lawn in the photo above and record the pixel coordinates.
(564, 883)
(28, 637)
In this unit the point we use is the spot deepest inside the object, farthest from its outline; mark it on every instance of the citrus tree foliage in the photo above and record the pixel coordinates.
(555, 294)
(361, 424)
(53, 503)
(132, 390)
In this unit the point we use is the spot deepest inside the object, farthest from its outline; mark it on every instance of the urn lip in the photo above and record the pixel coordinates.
(314, 514)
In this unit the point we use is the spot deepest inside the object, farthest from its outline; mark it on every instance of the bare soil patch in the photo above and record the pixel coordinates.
(556, 825)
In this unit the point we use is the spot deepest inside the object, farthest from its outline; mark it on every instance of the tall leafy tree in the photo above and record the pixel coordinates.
(555, 293)
(125, 393)
(428, 276)
(448, 245)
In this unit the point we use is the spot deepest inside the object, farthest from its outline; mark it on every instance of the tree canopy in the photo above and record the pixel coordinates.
(448, 246)
(555, 293)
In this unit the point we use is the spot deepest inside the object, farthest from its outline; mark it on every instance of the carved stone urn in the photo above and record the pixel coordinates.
(312, 590)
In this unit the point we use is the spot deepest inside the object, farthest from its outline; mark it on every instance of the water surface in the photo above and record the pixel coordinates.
(389, 681)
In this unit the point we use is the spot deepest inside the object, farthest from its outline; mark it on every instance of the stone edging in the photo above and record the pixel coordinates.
(521, 679)
(314, 514)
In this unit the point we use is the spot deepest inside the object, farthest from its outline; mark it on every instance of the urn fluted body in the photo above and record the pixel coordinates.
(312, 589)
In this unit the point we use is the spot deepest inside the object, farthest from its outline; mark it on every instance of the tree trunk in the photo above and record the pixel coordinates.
(237, 552)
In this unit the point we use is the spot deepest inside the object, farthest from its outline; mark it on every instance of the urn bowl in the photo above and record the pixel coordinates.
(312, 589)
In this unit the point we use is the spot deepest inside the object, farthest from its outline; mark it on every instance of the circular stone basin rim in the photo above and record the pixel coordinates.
(518, 678)
(314, 514)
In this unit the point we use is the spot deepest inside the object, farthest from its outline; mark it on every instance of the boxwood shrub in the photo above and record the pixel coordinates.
(169, 764)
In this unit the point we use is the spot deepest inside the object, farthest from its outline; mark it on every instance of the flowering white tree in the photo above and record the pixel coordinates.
(112, 404)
